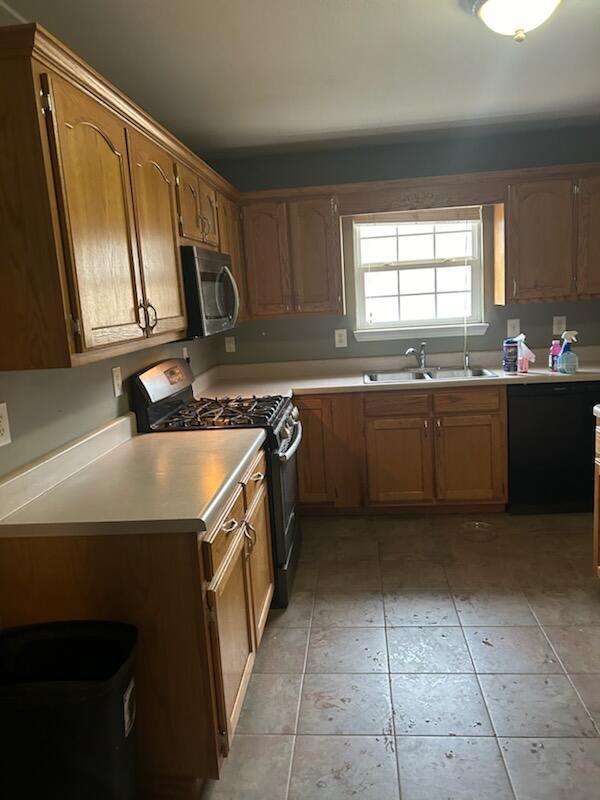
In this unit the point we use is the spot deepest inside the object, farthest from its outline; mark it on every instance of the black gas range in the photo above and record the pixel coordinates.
(163, 400)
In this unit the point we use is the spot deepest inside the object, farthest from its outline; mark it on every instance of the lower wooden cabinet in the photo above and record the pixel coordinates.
(229, 598)
(402, 448)
(260, 556)
(469, 457)
(399, 460)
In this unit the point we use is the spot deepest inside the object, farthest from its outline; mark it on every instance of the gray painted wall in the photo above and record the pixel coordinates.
(48, 408)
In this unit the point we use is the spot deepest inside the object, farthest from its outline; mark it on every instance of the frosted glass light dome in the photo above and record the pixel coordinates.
(515, 17)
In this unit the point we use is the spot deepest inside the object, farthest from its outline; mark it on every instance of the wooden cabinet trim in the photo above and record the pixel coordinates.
(260, 560)
(465, 400)
(217, 543)
(381, 404)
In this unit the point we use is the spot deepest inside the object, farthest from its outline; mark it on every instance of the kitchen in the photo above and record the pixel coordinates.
(344, 594)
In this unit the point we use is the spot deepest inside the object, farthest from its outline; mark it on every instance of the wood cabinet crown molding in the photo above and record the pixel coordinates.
(34, 41)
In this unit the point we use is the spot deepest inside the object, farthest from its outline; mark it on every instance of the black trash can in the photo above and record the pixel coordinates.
(67, 711)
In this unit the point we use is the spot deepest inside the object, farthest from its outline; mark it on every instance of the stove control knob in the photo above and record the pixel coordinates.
(295, 413)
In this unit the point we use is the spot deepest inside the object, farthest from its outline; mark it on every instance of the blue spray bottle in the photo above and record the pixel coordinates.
(568, 363)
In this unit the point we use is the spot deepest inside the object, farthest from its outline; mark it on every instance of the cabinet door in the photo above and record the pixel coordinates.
(229, 599)
(155, 212)
(315, 481)
(90, 161)
(399, 460)
(208, 213)
(470, 457)
(230, 237)
(315, 256)
(540, 240)
(267, 259)
(588, 256)
(596, 564)
(258, 533)
(188, 203)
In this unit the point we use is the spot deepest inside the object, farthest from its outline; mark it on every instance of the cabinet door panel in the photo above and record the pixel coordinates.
(208, 213)
(400, 460)
(588, 261)
(155, 207)
(188, 203)
(315, 256)
(230, 237)
(230, 600)
(90, 152)
(315, 481)
(540, 240)
(470, 457)
(596, 564)
(261, 561)
(267, 260)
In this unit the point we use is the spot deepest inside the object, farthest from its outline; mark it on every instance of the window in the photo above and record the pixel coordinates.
(418, 269)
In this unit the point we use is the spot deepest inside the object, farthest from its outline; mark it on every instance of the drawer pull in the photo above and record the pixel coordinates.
(257, 477)
(250, 534)
(230, 526)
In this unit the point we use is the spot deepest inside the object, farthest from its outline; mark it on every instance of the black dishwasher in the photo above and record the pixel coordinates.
(551, 447)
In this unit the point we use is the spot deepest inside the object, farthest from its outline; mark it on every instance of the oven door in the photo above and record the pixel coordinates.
(284, 479)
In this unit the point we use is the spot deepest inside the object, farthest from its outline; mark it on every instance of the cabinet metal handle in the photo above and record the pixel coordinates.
(258, 476)
(141, 307)
(230, 526)
(151, 325)
(514, 287)
(425, 424)
(252, 535)
(438, 422)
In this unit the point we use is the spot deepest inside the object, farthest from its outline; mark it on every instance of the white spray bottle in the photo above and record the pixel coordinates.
(568, 363)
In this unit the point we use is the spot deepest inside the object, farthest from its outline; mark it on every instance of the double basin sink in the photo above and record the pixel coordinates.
(428, 374)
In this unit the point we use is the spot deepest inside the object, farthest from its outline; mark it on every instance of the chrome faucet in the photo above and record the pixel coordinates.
(467, 361)
(420, 355)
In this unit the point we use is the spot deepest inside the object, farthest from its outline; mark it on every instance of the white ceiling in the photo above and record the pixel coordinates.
(227, 75)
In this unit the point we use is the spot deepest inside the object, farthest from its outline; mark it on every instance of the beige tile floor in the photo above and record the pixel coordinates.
(425, 659)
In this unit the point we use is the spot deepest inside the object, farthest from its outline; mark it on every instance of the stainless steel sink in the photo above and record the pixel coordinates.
(459, 372)
(430, 374)
(397, 376)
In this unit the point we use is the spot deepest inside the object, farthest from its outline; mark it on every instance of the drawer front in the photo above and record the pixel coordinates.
(461, 400)
(255, 478)
(217, 542)
(390, 404)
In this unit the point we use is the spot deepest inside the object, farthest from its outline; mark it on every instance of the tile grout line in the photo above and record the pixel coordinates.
(298, 707)
(481, 692)
(389, 675)
(595, 725)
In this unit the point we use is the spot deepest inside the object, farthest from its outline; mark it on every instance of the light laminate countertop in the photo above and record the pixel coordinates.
(320, 383)
(152, 483)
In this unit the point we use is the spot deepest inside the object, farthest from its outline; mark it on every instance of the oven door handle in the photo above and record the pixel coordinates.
(236, 294)
(286, 456)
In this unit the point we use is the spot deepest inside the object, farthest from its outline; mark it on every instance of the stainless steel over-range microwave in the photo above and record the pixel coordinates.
(211, 293)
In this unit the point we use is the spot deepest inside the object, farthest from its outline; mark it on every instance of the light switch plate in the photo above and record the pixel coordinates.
(230, 344)
(341, 337)
(4, 426)
(117, 380)
(513, 327)
(559, 325)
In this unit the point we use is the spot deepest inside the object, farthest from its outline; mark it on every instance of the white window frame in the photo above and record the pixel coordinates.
(474, 324)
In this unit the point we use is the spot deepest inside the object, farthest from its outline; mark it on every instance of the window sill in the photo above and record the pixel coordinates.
(431, 331)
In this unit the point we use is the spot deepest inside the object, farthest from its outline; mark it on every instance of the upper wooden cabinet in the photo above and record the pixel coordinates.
(315, 256)
(267, 259)
(230, 236)
(89, 231)
(588, 245)
(91, 170)
(293, 257)
(540, 240)
(197, 207)
(155, 213)
(547, 244)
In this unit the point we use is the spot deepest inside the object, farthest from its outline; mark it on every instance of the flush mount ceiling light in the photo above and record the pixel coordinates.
(514, 17)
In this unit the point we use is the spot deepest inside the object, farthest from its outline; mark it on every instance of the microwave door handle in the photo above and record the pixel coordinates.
(236, 294)
(284, 457)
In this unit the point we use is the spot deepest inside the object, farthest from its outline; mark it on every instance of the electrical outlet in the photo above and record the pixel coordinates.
(186, 354)
(559, 325)
(513, 327)
(4, 426)
(341, 337)
(230, 344)
(117, 380)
